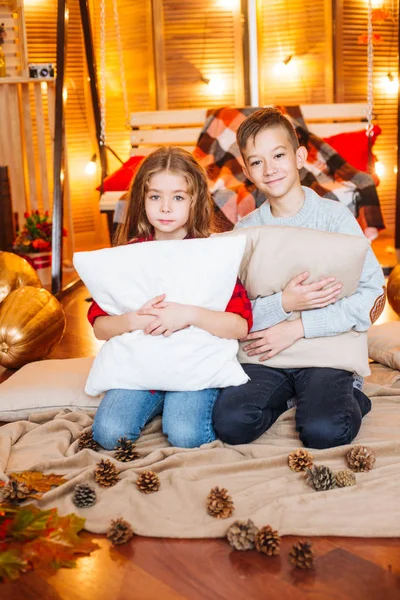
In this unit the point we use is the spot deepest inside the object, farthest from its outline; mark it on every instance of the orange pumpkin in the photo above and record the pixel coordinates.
(32, 322)
(15, 271)
(393, 289)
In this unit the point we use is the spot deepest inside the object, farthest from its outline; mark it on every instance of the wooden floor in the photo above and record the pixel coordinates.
(165, 569)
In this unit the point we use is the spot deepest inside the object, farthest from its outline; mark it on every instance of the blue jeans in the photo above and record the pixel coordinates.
(328, 408)
(186, 416)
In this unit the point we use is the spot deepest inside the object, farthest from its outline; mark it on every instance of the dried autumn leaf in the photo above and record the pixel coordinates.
(363, 39)
(11, 565)
(30, 522)
(381, 14)
(39, 482)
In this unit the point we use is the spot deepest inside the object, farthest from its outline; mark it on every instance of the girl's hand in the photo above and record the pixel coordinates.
(157, 301)
(269, 342)
(169, 317)
(302, 296)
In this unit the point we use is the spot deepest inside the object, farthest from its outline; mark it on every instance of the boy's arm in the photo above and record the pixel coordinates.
(359, 310)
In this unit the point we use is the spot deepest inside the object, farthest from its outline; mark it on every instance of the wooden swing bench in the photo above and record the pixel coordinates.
(152, 129)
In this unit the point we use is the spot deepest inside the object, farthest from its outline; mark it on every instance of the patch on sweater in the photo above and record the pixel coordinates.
(378, 307)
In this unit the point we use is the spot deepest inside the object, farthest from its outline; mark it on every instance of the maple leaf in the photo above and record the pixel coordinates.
(381, 14)
(39, 482)
(30, 522)
(11, 565)
(363, 38)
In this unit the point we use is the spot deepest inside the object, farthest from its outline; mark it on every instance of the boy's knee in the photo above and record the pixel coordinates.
(236, 424)
(323, 433)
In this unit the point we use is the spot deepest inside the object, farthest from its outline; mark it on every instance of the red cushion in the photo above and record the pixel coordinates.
(353, 146)
(120, 180)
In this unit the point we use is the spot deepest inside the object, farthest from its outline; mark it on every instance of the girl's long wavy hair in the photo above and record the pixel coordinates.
(181, 162)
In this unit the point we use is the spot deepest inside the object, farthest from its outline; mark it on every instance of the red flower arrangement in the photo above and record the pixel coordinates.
(35, 235)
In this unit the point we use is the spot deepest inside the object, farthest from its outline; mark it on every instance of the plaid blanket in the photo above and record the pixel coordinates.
(325, 171)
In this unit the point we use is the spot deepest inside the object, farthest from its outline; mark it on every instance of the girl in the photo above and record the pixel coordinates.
(168, 200)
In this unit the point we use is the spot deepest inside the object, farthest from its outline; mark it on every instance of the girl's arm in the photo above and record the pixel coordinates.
(106, 327)
(222, 324)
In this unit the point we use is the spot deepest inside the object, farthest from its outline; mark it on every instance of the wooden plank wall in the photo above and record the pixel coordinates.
(202, 38)
(301, 29)
(351, 84)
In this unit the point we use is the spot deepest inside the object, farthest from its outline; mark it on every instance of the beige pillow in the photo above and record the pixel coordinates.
(384, 344)
(274, 255)
(44, 385)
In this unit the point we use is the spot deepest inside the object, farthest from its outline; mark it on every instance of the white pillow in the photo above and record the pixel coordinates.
(200, 272)
(46, 385)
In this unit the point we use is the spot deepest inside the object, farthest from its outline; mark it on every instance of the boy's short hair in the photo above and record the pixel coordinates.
(264, 118)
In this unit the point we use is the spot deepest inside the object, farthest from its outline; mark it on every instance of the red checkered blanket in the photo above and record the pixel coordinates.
(325, 171)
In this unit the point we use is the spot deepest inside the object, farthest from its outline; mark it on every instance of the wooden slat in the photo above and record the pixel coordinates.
(146, 150)
(28, 145)
(176, 136)
(340, 111)
(41, 139)
(185, 116)
(328, 129)
(17, 170)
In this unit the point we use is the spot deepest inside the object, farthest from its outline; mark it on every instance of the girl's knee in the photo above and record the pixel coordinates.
(184, 435)
(107, 434)
(240, 424)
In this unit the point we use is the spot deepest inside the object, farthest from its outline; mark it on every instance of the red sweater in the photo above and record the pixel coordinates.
(239, 302)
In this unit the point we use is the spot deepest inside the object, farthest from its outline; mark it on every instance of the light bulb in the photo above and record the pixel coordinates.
(65, 94)
(43, 86)
(380, 169)
(91, 166)
(391, 83)
(228, 4)
(216, 84)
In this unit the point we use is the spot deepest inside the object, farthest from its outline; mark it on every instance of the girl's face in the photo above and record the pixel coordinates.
(167, 205)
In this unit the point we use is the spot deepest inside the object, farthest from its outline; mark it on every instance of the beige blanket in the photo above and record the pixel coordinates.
(256, 475)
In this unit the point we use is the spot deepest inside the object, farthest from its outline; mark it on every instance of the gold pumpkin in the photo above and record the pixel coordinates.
(393, 289)
(15, 271)
(32, 322)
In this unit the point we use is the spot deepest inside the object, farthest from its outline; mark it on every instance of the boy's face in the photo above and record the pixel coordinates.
(272, 164)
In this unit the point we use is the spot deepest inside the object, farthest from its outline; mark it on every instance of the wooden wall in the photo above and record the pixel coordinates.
(169, 45)
(351, 84)
(301, 29)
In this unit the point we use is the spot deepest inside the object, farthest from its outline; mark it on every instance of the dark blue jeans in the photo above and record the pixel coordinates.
(328, 408)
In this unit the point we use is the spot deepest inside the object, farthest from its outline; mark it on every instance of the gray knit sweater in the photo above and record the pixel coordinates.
(344, 315)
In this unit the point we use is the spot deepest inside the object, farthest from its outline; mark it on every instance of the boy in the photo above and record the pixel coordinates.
(329, 402)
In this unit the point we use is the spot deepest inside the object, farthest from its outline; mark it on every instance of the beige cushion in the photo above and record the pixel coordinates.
(45, 385)
(274, 255)
(384, 344)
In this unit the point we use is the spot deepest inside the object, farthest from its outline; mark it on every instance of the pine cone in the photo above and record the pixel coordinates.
(241, 535)
(360, 459)
(321, 478)
(86, 441)
(268, 541)
(106, 474)
(345, 478)
(219, 503)
(126, 450)
(148, 482)
(119, 532)
(84, 496)
(300, 460)
(302, 555)
(15, 491)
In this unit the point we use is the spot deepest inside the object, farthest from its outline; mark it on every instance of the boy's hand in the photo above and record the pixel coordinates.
(269, 342)
(169, 318)
(306, 296)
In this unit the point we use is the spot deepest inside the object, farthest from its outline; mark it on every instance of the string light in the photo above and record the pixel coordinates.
(65, 94)
(215, 83)
(380, 169)
(91, 166)
(287, 66)
(391, 83)
(228, 4)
